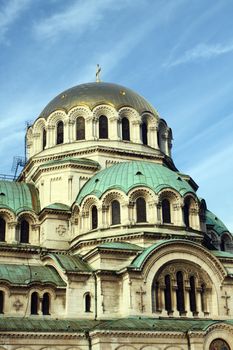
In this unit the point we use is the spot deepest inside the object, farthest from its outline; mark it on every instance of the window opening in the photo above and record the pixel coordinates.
(167, 294)
(125, 129)
(116, 213)
(44, 139)
(80, 128)
(2, 229)
(87, 303)
(180, 292)
(166, 211)
(60, 133)
(144, 133)
(24, 231)
(46, 304)
(192, 295)
(1, 302)
(94, 217)
(103, 127)
(186, 213)
(141, 209)
(34, 303)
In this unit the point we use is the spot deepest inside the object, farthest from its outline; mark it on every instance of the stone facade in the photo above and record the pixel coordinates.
(104, 243)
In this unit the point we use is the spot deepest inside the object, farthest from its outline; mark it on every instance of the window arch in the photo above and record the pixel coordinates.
(103, 127)
(116, 212)
(219, 344)
(144, 133)
(1, 302)
(87, 302)
(44, 138)
(141, 209)
(166, 211)
(34, 303)
(24, 231)
(46, 304)
(2, 229)
(60, 132)
(125, 129)
(180, 292)
(94, 217)
(80, 128)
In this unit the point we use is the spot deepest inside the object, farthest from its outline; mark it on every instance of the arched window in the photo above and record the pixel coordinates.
(2, 229)
(103, 127)
(192, 295)
(60, 132)
(34, 303)
(219, 344)
(80, 128)
(1, 302)
(24, 231)
(94, 217)
(141, 209)
(166, 211)
(125, 129)
(158, 138)
(87, 303)
(167, 294)
(44, 141)
(46, 304)
(186, 212)
(144, 133)
(180, 292)
(116, 213)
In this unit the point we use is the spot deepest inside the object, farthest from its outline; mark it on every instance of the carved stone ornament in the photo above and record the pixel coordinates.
(61, 230)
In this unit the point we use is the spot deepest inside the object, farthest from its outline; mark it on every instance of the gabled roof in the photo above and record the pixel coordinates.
(19, 196)
(69, 263)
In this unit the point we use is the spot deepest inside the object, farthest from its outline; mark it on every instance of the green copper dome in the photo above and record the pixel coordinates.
(127, 175)
(94, 94)
(215, 223)
(18, 196)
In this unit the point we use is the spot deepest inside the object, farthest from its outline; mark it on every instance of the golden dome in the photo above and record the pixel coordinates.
(94, 94)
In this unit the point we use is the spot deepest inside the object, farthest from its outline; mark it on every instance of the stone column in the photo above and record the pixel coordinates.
(113, 128)
(136, 131)
(90, 128)
(12, 234)
(125, 219)
(51, 136)
(152, 136)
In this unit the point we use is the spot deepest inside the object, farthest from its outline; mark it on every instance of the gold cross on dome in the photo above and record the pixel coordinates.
(97, 74)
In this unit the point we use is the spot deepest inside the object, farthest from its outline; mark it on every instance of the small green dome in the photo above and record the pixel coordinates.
(19, 196)
(215, 223)
(94, 94)
(127, 175)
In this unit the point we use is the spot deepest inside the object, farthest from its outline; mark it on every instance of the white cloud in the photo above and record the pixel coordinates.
(201, 52)
(9, 12)
(76, 18)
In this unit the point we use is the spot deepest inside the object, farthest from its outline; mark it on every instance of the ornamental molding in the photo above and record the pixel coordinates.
(219, 326)
(137, 334)
(38, 335)
(106, 110)
(80, 111)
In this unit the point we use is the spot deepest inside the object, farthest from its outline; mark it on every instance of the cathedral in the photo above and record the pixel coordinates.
(104, 243)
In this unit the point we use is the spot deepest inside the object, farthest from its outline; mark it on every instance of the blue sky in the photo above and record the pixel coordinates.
(178, 54)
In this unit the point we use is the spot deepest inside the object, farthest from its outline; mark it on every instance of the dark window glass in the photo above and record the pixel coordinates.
(223, 244)
(103, 127)
(144, 133)
(60, 133)
(116, 213)
(203, 288)
(158, 138)
(87, 303)
(44, 139)
(2, 229)
(24, 231)
(34, 303)
(167, 294)
(46, 304)
(141, 209)
(1, 302)
(166, 211)
(80, 128)
(180, 292)
(186, 213)
(125, 129)
(192, 294)
(219, 344)
(94, 217)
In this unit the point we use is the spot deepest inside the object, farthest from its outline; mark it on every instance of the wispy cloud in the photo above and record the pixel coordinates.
(200, 52)
(76, 18)
(9, 12)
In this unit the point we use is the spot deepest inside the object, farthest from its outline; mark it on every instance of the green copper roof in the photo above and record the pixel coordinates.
(58, 206)
(222, 254)
(120, 246)
(70, 263)
(94, 94)
(26, 275)
(80, 161)
(127, 175)
(18, 196)
(32, 325)
(217, 225)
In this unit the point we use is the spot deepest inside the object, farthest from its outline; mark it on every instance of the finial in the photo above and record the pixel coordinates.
(97, 74)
